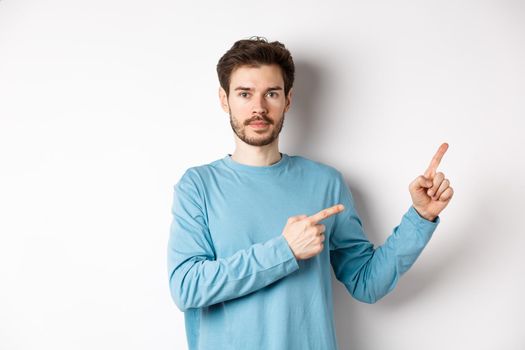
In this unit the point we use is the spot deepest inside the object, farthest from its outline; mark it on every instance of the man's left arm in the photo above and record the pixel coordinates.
(368, 273)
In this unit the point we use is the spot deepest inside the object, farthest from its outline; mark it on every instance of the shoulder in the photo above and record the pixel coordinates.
(196, 175)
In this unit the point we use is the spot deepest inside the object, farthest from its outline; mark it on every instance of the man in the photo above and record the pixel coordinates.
(251, 246)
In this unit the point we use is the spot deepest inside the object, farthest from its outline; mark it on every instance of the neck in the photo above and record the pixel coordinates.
(257, 155)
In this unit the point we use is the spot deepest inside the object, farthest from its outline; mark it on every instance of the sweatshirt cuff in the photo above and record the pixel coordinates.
(283, 250)
(422, 225)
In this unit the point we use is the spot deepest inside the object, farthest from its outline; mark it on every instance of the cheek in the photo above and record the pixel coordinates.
(278, 105)
(239, 106)
(240, 111)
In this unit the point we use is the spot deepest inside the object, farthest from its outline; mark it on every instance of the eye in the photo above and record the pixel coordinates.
(243, 94)
(272, 94)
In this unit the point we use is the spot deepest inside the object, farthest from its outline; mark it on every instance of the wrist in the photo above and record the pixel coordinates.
(425, 215)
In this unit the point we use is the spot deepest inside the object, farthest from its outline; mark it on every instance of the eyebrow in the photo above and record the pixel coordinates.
(249, 89)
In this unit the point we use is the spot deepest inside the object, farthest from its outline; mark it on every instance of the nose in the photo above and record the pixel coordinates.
(259, 105)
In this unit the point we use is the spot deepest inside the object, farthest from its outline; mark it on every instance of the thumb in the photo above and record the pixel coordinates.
(421, 182)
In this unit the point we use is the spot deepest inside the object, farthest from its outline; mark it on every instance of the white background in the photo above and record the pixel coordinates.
(105, 103)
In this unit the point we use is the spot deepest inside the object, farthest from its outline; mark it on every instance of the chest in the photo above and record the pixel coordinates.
(243, 213)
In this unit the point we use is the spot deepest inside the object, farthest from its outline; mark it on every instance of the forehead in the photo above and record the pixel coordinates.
(263, 75)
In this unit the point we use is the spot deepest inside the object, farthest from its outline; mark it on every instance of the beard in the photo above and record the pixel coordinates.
(240, 130)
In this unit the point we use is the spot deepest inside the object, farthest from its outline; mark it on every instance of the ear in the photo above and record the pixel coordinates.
(224, 100)
(288, 100)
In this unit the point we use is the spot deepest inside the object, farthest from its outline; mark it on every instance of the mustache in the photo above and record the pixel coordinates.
(260, 118)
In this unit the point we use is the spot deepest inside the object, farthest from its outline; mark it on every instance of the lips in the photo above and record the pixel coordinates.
(259, 125)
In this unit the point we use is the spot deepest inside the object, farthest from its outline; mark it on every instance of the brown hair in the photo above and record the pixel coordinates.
(254, 52)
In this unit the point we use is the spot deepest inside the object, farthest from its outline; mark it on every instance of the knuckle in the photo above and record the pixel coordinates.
(448, 193)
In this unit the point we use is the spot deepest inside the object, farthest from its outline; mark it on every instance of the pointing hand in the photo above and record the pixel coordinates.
(431, 192)
(305, 235)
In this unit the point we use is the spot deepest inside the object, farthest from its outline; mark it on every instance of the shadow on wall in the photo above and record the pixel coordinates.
(310, 100)
(307, 108)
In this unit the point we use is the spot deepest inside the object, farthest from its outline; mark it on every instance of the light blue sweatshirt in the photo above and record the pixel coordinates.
(234, 275)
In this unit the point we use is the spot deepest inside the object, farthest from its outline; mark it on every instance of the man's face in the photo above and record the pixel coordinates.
(256, 103)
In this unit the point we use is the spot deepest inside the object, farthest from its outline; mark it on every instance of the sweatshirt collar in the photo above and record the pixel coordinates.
(262, 169)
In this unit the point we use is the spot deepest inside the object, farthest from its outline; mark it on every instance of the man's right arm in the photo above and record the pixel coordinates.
(196, 277)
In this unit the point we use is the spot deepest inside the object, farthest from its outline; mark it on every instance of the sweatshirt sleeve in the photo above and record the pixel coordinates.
(370, 273)
(196, 277)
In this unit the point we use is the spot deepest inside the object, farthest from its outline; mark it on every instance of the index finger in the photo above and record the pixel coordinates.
(431, 170)
(326, 213)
